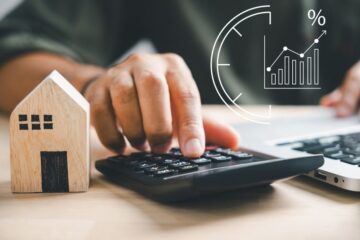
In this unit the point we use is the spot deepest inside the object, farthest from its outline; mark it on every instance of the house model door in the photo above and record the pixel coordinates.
(54, 172)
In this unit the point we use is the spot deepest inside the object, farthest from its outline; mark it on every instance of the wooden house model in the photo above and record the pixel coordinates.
(49, 139)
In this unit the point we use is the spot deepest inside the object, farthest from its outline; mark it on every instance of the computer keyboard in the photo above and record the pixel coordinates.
(171, 176)
(345, 148)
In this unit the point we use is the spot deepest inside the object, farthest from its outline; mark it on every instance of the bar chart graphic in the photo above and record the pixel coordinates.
(294, 70)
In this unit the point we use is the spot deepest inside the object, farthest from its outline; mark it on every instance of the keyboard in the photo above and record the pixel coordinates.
(173, 177)
(344, 148)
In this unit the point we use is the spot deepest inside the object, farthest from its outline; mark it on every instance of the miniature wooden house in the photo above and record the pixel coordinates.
(49, 139)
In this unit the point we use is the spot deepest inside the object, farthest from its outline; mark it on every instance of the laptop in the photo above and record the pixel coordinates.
(316, 132)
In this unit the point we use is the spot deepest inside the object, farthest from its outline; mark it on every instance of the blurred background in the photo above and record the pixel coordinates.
(8, 5)
(102, 32)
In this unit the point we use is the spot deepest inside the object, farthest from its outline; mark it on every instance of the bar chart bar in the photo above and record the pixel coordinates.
(316, 66)
(273, 78)
(301, 73)
(287, 70)
(293, 72)
(280, 76)
(297, 72)
(308, 70)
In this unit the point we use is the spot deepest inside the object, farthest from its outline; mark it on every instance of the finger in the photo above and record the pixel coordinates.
(331, 99)
(350, 92)
(220, 134)
(126, 106)
(104, 121)
(186, 105)
(155, 107)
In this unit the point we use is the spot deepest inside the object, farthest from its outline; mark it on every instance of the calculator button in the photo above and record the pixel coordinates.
(175, 149)
(132, 162)
(210, 154)
(179, 164)
(144, 165)
(240, 155)
(201, 161)
(154, 169)
(156, 159)
(188, 168)
(210, 148)
(175, 155)
(164, 173)
(169, 161)
(140, 155)
(220, 159)
(222, 150)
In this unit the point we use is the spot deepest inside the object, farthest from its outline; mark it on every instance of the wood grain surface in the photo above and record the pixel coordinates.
(299, 208)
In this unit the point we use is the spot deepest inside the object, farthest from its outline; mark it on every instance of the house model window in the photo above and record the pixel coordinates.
(47, 122)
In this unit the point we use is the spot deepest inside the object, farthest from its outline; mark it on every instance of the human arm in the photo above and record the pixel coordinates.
(147, 99)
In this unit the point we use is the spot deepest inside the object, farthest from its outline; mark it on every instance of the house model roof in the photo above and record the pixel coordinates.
(59, 80)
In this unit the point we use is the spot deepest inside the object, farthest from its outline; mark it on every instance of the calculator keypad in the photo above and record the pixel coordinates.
(174, 163)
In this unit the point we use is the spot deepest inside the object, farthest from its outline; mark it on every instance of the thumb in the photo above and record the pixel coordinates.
(220, 134)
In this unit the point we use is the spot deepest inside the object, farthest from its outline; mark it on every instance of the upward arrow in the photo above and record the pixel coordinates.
(323, 32)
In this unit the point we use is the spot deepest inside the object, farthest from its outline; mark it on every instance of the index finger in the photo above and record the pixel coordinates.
(186, 108)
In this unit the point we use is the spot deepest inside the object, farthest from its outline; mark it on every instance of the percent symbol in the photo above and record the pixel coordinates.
(316, 17)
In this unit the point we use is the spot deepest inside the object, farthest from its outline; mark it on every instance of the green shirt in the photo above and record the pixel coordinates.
(99, 31)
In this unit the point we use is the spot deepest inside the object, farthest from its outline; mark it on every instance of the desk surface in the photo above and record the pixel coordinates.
(299, 208)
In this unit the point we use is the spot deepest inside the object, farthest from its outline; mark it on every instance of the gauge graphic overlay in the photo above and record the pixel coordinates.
(232, 27)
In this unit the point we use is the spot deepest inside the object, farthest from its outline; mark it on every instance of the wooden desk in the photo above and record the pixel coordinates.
(295, 209)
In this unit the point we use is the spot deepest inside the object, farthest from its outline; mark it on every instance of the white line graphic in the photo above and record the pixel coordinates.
(299, 54)
(237, 31)
(286, 77)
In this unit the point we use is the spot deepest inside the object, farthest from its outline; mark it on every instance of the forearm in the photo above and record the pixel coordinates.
(21, 74)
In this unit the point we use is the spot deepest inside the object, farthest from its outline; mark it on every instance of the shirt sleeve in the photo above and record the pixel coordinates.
(69, 28)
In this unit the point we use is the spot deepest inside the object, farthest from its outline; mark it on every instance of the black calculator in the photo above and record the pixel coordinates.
(173, 177)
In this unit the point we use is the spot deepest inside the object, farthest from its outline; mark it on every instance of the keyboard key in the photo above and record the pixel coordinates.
(188, 168)
(351, 160)
(352, 152)
(318, 148)
(336, 156)
(329, 139)
(332, 150)
(310, 142)
(220, 159)
(201, 161)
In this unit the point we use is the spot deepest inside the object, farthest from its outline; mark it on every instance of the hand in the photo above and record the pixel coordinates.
(345, 99)
(149, 99)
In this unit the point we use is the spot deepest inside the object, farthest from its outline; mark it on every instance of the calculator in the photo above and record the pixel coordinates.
(172, 177)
